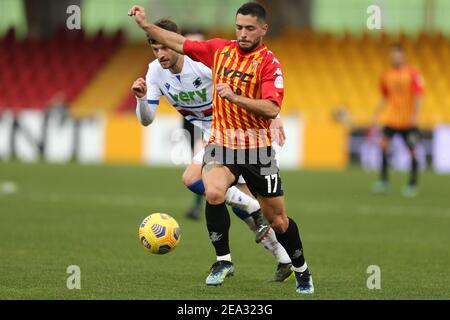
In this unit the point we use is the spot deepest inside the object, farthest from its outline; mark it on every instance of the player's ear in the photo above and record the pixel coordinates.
(265, 28)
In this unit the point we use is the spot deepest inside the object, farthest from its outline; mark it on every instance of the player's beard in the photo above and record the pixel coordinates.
(250, 49)
(172, 64)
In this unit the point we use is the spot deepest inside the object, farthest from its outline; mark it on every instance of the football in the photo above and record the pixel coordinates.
(159, 233)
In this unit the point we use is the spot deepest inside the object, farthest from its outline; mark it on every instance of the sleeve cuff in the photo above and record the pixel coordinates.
(143, 99)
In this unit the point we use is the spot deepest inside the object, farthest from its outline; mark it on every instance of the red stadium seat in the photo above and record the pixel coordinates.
(32, 71)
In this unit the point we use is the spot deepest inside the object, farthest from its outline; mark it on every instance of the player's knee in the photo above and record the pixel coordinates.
(280, 223)
(214, 195)
(189, 178)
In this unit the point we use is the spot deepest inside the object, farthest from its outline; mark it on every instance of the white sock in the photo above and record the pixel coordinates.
(301, 269)
(238, 199)
(226, 257)
(271, 243)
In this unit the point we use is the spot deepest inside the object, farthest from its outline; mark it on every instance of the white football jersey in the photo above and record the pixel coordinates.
(190, 91)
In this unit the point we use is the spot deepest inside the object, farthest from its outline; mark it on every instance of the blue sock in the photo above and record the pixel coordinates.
(241, 214)
(198, 200)
(197, 187)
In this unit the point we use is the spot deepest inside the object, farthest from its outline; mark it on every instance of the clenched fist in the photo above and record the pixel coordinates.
(139, 88)
(225, 92)
(139, 15)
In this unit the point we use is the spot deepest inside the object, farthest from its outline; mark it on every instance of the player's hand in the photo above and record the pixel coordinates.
(139, 88)
(139, 15)
(277, 131)
(225, 92)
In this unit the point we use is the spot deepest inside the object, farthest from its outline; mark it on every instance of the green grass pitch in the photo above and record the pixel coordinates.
(88, 216)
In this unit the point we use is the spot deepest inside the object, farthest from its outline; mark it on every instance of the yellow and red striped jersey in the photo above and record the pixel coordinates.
(255, 75)
(400, 86)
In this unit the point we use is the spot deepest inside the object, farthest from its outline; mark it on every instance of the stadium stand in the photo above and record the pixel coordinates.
(323, 72)
(32, 71)
(112, 82)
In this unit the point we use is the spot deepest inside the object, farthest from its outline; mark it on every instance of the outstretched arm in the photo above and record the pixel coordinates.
(170, 39)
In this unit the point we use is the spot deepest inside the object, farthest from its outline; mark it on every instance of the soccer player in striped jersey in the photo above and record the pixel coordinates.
(187, 85)
(401, 88)
(248, 94)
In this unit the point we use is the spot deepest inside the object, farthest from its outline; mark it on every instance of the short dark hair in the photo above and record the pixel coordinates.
(165, 24)
(397, 46)
(253, 9)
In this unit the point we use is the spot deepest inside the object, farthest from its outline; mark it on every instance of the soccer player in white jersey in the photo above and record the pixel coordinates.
(195, 137)
(187, 85)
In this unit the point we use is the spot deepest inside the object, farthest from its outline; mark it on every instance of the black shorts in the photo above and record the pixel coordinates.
(411, 136)
(257, 166)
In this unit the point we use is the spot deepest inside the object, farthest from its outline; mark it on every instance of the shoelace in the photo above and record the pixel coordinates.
(215, 267)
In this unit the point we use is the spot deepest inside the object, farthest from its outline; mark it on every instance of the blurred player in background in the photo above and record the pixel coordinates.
(401, 88)
(248, 92)
(187, 85)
